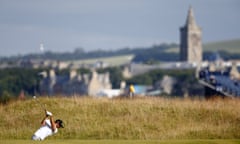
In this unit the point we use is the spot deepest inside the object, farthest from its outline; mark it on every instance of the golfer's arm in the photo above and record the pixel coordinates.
(52, 124)
(43, 122)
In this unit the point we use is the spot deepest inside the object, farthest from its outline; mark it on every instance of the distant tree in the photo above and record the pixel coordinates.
(16, 79)
(79, 50)
(5, 97)
(145, 79)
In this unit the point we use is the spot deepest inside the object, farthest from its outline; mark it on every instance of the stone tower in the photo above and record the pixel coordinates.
(191, 40)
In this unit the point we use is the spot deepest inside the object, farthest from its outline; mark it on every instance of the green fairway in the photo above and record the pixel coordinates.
(215, 141)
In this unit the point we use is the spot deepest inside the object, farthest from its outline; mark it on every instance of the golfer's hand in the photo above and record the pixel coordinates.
(48, 113)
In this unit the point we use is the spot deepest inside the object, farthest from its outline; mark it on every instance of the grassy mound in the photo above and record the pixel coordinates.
(142, 118)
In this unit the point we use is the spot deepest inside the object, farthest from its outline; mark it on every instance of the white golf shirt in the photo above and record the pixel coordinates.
(44, 131)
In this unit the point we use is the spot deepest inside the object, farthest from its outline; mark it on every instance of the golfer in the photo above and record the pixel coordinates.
(131, 90)
(48, 127)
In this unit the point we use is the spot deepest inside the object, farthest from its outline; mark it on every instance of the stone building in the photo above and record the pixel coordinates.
(73, 83)
(98, 82)
(191, 40)
(234, 73)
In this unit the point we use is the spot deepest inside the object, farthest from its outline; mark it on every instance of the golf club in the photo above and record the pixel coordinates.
(41, 104)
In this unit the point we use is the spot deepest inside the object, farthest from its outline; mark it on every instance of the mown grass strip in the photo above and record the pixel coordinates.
(204, 141)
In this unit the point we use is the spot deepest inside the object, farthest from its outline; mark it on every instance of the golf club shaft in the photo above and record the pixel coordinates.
(41, 104)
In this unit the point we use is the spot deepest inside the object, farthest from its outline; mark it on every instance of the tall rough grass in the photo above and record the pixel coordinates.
(141, 118)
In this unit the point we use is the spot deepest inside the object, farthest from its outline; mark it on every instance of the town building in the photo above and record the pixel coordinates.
(73, 84)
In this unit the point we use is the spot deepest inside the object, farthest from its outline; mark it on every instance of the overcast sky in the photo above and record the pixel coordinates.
(64, 25)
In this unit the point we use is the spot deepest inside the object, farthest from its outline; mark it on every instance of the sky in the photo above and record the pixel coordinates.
(35, 26)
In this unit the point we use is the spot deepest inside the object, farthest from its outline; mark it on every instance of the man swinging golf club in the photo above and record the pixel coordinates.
(48, 127)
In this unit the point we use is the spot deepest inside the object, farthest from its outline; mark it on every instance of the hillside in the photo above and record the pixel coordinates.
(230, 46)
(142, 118)
(169, 52)
(112, 60)
(228, 49)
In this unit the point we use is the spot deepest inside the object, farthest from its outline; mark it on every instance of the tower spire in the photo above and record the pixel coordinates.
(190, 18)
